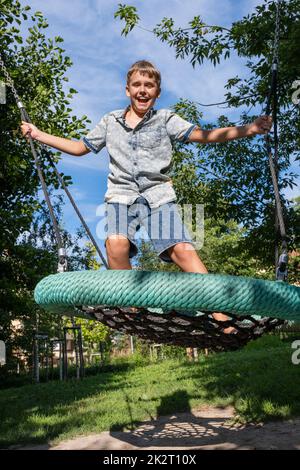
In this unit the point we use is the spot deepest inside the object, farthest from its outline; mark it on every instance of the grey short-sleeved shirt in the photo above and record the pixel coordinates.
(140, 158)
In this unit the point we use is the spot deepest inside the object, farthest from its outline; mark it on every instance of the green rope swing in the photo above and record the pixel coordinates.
(173, 308)
(169, 291)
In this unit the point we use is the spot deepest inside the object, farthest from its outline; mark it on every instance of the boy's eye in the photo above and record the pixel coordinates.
(148, 85)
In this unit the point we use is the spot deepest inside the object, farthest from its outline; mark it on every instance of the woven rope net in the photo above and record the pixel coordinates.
(173, 308)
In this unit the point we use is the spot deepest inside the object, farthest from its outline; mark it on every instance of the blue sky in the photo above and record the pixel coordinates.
(101, 58)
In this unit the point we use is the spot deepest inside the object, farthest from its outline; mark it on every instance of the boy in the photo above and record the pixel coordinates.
(139, 142)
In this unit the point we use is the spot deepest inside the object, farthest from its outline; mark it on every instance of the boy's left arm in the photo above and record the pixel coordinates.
(261, 125)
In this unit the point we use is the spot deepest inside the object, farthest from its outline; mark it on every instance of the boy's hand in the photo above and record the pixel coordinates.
(29, 130)
(261, 125)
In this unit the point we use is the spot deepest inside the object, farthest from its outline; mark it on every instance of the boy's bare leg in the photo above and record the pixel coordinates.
(117, 249)
(189, 261)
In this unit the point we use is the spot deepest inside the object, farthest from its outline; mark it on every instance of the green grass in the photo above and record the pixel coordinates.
(259, 381)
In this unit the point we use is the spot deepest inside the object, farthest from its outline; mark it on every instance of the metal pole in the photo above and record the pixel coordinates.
(131, 345)
(65, 355)
(101, 352)
(36, 361)
(75, 336)
(51, 359)
(61, 360)
(81, 358)
(47, 359)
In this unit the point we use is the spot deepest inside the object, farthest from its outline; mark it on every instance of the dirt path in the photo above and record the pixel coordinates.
(206, 428)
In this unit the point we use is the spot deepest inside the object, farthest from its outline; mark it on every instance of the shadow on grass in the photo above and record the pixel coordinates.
(179, 401)
(260, 384)
(21, 407)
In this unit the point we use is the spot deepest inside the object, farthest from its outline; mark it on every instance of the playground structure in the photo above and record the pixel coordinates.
(59, 352)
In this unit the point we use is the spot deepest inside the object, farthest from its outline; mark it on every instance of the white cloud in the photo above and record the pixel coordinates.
(87, 210)
(101, 56)
(97, 163)
(292, 193)
(78, 193)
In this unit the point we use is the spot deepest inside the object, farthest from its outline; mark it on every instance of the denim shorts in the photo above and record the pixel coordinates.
(163, 225)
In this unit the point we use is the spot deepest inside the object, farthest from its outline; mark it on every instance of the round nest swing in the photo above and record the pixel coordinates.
(173, 308)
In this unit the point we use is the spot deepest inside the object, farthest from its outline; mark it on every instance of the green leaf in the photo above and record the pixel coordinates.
(129, 15)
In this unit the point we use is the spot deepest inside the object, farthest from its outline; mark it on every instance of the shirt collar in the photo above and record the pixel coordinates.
(147, 116)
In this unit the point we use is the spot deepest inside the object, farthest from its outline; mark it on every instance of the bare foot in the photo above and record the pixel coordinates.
(222, 317)
(229, 330)
(134, 309)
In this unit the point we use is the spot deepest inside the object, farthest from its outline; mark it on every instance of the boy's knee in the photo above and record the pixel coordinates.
(117, 245)
(180, 248)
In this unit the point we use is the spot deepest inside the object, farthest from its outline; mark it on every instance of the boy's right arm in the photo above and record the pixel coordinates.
(72, 147)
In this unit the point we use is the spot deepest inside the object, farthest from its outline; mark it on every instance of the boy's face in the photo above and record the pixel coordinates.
(142, 91)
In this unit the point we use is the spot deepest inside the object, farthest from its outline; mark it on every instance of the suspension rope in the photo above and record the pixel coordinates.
(241, 98)
(75, 207)
(62, 265)
(62, 256)
(282, 262)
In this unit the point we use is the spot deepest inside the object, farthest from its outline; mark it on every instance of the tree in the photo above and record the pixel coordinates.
(148, 260)
(38, 68)
(294, 263)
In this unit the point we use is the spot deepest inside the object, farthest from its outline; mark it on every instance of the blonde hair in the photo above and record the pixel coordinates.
(145, 67)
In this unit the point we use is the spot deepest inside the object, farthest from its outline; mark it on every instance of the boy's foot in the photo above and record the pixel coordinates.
(222, 317)
(229, 330)
(134, 309)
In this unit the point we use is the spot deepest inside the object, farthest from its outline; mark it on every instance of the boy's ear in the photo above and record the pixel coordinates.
(127, 91)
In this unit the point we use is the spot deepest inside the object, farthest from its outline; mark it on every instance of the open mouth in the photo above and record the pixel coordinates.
(143, 100)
